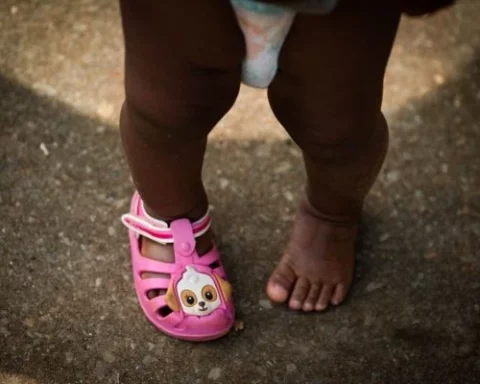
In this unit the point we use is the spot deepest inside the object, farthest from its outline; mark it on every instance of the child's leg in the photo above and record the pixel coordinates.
(183, 62)
(328, 94)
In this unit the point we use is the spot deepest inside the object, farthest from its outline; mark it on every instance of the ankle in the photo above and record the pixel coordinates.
(334, 218)
(193, 214)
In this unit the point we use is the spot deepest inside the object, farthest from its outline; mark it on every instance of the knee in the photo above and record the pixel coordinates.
(179, 111)
(328, 128)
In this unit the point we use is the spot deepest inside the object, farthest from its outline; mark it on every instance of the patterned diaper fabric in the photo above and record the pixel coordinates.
(265, 27)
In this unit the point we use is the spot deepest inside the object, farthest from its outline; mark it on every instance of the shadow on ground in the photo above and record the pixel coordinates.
(68, 313)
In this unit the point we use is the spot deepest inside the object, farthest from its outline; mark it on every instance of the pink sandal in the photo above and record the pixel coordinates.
(198, 303)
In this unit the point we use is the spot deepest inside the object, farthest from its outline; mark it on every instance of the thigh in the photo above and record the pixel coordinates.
(177, 51)
(331, 69)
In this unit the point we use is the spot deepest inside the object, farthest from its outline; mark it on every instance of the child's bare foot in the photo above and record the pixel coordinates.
(317, 267)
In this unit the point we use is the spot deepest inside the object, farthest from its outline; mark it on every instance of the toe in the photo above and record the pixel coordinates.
(300, 292)
(339, 294)
(312, 298)
(324, 298)
(280, 283)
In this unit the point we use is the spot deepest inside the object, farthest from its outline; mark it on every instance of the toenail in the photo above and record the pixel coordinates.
(295, 305)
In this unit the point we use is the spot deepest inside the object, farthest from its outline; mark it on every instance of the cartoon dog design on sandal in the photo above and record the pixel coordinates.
(197, 294)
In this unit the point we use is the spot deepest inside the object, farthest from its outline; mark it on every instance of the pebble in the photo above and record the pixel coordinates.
(111, 231)
(393, 176)
(373, 286)
(288, 195)
(215, 373)
(224, 183)
(265, 304)
(148, 359)
(68, 357)
(283, 167)
(108, 356)
(439, 79)
(105, 109)
(44, 149)
(45, 89)
(384, 237)
(291, 368)
(28, 323)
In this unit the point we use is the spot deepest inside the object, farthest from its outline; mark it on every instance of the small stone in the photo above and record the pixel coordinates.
(45, 89)
(80, 27)
(224, 183)
(108, 356)
(150, 346)
(384, 237)
(291, 368)
(215, 373)
(295, 152)
(111, 231)
(265, 304)
(13, 10)
(239, 325)
(68, 357)
(288, 195)
(105, 109)
(28, 323)
(444, 168)
(373, 286)
(439, 79)
(283, 167)
(393, 176)
(149, 359)
(98, 282)
(44, 149)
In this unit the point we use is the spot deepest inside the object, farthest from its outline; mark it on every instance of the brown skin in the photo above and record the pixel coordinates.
(330, 102)
(182, 75)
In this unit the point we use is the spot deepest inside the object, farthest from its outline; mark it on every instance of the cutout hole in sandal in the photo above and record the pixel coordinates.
(215, 264)
(155, 292)
(204, 245)
(164, 311)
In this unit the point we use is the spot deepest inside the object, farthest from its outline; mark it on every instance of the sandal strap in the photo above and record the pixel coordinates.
(159, 231)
